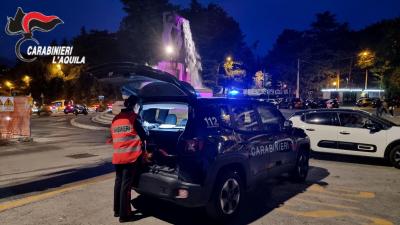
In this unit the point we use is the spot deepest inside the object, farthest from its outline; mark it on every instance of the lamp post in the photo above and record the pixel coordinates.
(298, 79)
(365, 60)
(10, 86)
(227, 59)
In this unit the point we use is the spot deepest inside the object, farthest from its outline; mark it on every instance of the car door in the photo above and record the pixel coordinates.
(250, 137)
(322, 128)
(355, 138)
(277, 143)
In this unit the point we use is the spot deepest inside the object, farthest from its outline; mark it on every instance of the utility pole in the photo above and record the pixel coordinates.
(338, 80)
(350, 70)
(366, 79)
(298, 79)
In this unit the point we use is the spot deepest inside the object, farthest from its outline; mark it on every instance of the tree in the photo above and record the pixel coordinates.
(140, 31)
(383, 39)
(98, 46)
(324, 51)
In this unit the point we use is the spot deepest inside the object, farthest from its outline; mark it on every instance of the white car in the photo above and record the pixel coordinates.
(273, 101)
(350, 132)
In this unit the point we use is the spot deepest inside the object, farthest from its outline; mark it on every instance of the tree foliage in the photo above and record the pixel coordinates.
(323, 50)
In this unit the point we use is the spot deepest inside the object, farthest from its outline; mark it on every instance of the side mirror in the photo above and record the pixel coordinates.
(287, 125)
(373, 127)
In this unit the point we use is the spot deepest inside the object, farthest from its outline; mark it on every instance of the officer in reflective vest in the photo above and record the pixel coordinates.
(127, 136)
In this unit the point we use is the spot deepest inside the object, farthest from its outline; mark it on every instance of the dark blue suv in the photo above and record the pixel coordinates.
(209, 151)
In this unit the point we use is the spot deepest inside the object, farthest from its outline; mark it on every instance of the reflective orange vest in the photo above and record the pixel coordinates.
(126, 142)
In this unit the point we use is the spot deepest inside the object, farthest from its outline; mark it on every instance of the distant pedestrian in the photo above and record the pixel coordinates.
(379, 107)
(391, 107)
(385, 106)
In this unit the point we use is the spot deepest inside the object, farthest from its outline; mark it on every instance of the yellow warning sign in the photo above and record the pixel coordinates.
(6, 104)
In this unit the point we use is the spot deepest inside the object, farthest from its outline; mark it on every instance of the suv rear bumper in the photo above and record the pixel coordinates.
(167, 187)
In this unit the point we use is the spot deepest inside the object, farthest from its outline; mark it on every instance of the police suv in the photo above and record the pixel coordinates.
(209, 151)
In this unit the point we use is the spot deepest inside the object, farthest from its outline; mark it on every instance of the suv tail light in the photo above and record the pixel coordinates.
(194, 145)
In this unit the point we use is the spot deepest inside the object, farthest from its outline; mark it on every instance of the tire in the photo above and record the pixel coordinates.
(226, 197)
(394, 157)
(299, 173)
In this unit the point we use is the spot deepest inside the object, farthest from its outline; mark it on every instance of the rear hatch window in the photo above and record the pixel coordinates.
(165, 116)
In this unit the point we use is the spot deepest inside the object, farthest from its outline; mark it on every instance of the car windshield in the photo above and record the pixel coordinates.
(164, 115)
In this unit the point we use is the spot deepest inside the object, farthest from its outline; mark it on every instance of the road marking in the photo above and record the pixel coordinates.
(361, 194)
(341, 194)
(49, 194)
(333, 213)
(325, 204)
(329, 196)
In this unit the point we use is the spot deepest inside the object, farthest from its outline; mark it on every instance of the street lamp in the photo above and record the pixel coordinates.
(169, 49)
(229, 58)
(365, 53)
(27, 79)
(9, 85)
(334, 84)
(58, 66)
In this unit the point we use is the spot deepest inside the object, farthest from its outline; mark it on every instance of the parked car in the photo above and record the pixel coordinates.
(350, 132)
(76, 109)
(365, 102)
(45, 110)
(315, 103)
(273, 101)
(332, 103)
(291, 103)
(210, 151)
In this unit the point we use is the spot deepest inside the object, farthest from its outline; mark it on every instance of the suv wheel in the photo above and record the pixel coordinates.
(226, 197)
(394, 156)
(299, 173)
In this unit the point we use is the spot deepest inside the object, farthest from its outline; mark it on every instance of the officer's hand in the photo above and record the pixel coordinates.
(147, 157)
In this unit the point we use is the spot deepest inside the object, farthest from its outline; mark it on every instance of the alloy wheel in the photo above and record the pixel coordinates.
(396, 157)
(302, 165)
(229, 196)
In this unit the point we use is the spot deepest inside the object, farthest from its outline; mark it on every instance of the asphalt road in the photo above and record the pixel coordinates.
(65, 177)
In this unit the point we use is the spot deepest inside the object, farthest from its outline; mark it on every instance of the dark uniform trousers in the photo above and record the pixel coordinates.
(125, 174)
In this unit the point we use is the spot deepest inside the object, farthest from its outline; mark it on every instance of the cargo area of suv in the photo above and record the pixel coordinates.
(165, 123)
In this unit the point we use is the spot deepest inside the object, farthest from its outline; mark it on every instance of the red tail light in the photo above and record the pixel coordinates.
(194, 145)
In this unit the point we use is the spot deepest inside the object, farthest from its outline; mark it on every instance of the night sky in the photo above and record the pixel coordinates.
(261, 20)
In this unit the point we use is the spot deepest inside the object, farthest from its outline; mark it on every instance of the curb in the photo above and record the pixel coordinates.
(100, 120)
(84, 126)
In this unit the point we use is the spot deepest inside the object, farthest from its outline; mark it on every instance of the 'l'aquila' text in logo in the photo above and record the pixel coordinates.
(25, 24)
